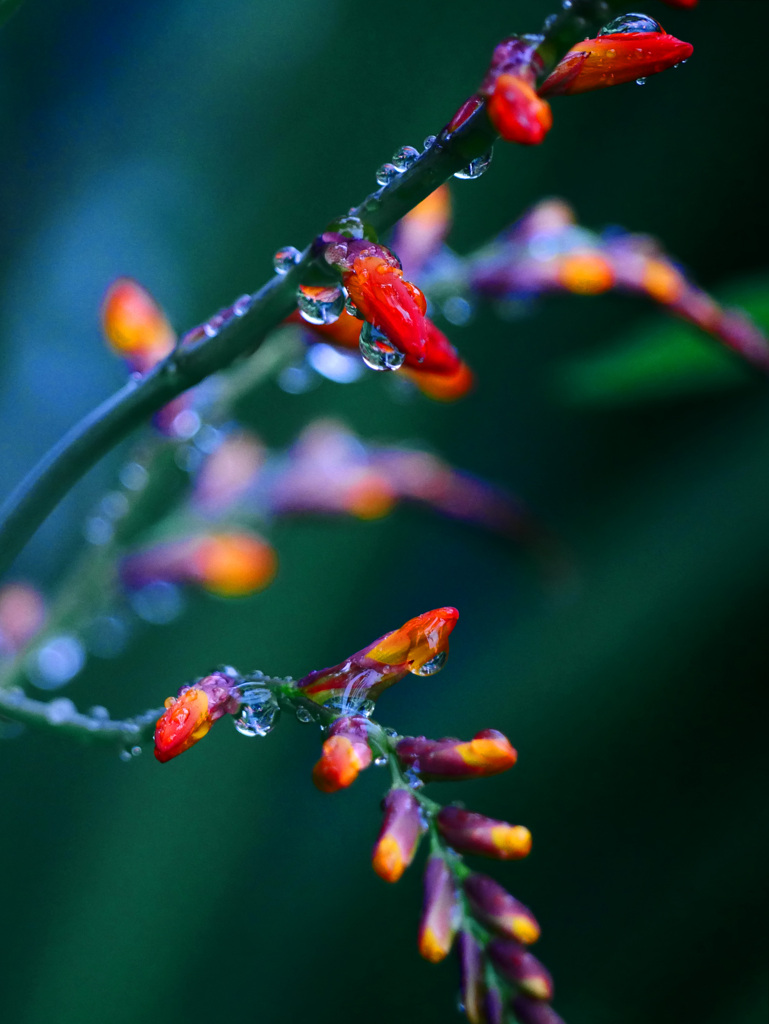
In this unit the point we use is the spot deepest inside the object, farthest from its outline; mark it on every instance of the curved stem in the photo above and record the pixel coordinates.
(39, 493)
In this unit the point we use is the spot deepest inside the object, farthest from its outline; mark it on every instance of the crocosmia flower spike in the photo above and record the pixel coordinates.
(399, 837)
(488, 753)
(135, 326)
(468, 832)
(440, 912)
(190, 715)
(628, 49)
(420, 646)
(345, 753)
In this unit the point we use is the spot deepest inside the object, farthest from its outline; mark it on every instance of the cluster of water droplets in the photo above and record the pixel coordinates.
(260, 711)
(402, 159)
(211, 327)
(475, 168)
(377, 351)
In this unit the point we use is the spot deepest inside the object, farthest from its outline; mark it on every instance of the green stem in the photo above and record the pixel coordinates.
(39, 493)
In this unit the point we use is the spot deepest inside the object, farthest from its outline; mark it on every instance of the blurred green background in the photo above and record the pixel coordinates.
(182, 142)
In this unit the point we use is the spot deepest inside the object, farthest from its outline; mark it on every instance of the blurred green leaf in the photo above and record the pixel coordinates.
(663, 361)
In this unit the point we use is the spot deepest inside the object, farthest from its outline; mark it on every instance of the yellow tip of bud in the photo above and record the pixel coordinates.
(524, 929)
(512, 841)
(388, 860)
(585, 273)
(430, 946)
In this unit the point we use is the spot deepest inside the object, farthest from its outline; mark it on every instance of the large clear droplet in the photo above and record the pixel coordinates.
(286, 258)
(435, 664)
(386, 173)
(630, 23)
(476, 167)
(378, 353)
(404, 158)
(320, 304)
(429, 141)
(260, 714)
(350, 704)
(304, 715)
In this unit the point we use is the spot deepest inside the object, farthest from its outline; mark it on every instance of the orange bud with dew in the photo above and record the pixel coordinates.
(517, 112)
(185, 721)
(387, 300)
(423, 642)
(630, 48)
(134, 325)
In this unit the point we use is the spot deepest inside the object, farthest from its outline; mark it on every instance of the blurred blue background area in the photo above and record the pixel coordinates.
(182, 143)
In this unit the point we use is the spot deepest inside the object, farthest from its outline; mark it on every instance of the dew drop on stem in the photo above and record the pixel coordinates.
(286, 258)
(404, 158)
(320, 304)
(475, 168)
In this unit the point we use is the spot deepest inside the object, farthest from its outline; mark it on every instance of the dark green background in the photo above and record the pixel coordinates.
(182, 142)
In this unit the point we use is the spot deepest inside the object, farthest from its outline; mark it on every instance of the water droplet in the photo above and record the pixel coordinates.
(351, 226)
(286, 258)
(429, 141)
(136, 751)
(386, 173)
(114, 505)
(259, 714)
(413, 779)
(125, 755)
(188, 458)
(210, 330)
(377, 352)
(60, 710)
(457, 310)
(320, 304)
(352, 309)
(566, 5)
(350, 704)
(404, 158)
(392, 733)
(297, 380)
(640, 81)
(435, 664)
(330, 362)
(99, 713)
(630, 23)
(550, 20)
(380, 762)
(133, 476)
(56, 662)
(476, 167)
(242, 305)
(159, 603)
(424, 817)
(304, 714)
(185, 424)
(98, 530)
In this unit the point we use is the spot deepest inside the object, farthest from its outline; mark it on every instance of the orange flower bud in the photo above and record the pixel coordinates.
(134, 325)
(382, 296)
(585, 273)
(345, 753)
(399, 837)
(422, 642)
(185, 721)
(234, 564)
(630, 48)
(517, 113)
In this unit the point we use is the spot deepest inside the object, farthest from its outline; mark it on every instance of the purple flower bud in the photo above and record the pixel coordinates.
(400, 834)
(471, 972)
(439, 913)
(475, 833)
(497, 909)
(520, 967)
(531, 1011)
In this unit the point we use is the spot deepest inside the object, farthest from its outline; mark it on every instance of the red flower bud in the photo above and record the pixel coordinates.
(497, 909)
(488, 753)
(189, 716)
(468, 832)
(523, 969)
(615, 58)
(382, 296)
(399, 837)
(439, 913)
(345, 753)
(517, 112)
(134, 325)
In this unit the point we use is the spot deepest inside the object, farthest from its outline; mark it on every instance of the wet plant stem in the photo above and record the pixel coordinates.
(82, 446)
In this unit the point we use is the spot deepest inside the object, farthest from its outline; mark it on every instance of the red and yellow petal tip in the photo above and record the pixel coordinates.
(185, 721)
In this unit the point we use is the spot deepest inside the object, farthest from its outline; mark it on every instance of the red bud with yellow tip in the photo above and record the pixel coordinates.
(533, 1011)
(345, 753)
(134, 325)
(399, 837)
(488, 753)
(468, 832)
(497, 909)
(189, 716)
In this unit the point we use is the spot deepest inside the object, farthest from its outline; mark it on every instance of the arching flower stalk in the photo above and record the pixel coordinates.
(501, 980)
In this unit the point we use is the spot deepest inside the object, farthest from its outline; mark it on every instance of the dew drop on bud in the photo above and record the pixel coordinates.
(377, 352)
(380, 762)
(476, 167)
(428, 143)
(435, 664)
(386, 173)
(320, 304)
(640, 81)
(286, 258)
(630, 23)
(304, 714)
(404, 158)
